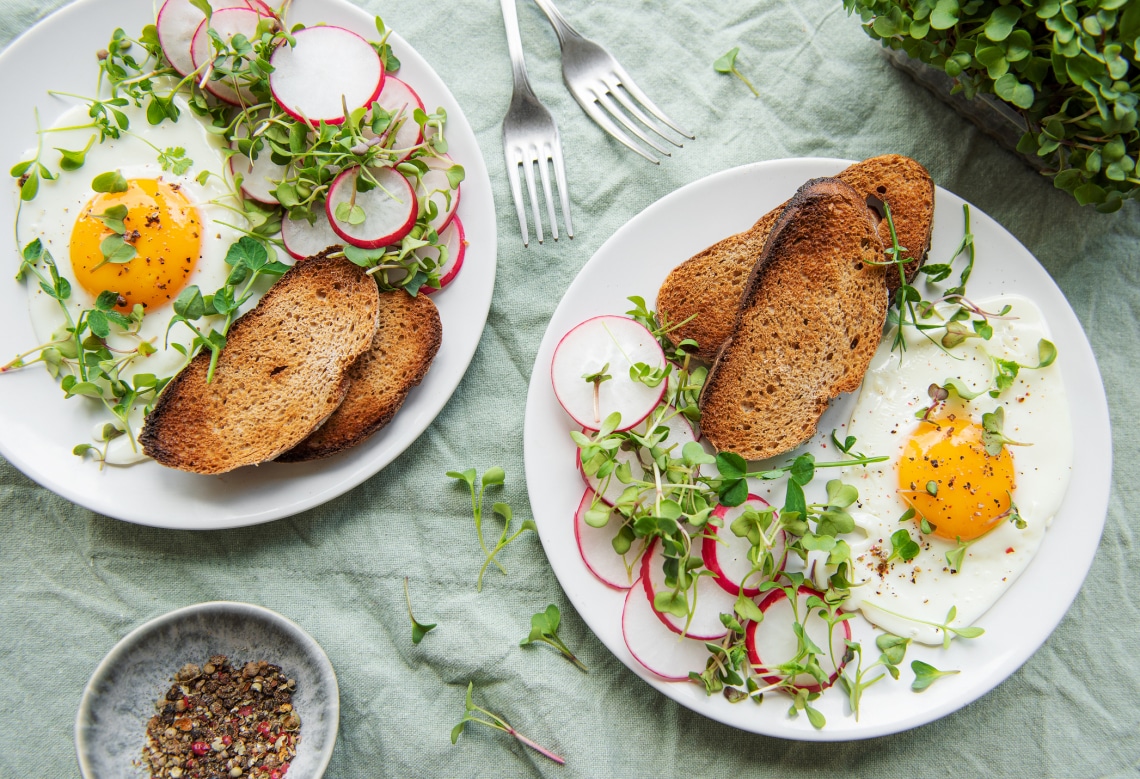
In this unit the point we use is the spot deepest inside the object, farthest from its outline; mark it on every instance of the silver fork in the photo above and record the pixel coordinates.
(530, 138)
(596, 80)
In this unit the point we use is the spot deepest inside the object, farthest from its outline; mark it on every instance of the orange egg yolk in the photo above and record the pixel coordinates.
(949, 479)
(164, 228)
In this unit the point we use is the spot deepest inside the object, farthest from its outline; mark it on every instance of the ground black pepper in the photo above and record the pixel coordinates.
(220, 721)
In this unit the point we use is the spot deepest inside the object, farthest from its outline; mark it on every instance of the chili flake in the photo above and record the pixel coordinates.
(222, 721)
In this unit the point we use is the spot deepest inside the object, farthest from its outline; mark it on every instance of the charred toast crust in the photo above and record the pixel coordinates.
(810, 320)
(283, 372)
(402, 351)
(710, 283)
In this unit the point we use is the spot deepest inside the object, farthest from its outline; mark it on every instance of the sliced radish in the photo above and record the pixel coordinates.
(401, 101)
(726, 554)
(227, 23)
(178, 20)
(595, 544)
(260, 177)
(773, 641)
(455, 240)
(389, 207)
(329, 71)
(303, 240)
(617, 342)
(656, 647)
(680, 433)
(434, 186)
(712, 601)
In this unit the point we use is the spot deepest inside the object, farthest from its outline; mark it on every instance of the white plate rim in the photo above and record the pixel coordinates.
(148, 494)
(685, 223)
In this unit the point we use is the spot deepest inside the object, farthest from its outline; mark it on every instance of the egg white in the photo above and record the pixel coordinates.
(895, 595)
(51, 217)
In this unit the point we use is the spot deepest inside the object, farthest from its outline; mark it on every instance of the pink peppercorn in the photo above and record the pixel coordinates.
(227, 740)
(263, 729)
(200, 748)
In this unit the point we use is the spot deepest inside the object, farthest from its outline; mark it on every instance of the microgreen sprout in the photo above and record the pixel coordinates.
(544, 628)
(492, 477)
(926, 675)
(727, 64)
(471, 713)
(947, 630)
(419, 630)
(596, 378)
(993, 439)
(892, 650)
(903, 546)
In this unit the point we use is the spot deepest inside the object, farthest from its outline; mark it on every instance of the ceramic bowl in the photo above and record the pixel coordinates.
(110, 729)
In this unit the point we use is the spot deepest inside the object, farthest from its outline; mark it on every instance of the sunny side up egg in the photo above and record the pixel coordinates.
(972, 490)
(177, 224)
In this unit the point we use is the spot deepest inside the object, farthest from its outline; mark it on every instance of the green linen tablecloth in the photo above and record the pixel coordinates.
(72, 583)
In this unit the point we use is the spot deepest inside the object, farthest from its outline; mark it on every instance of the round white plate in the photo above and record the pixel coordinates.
(118, 701)
(634, 261)
(38, 427)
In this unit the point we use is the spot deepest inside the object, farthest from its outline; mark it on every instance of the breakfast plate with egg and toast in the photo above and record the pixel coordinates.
(778, 506)
(414, 210)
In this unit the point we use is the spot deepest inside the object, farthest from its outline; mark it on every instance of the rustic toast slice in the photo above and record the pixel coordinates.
(283, 371)
(710, 284)
(403, 348)
(809, 322)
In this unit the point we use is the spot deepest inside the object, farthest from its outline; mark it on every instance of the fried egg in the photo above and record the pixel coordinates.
(939, 468)
(176, 220)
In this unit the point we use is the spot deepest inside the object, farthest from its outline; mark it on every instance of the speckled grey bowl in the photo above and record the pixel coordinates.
(110, 729)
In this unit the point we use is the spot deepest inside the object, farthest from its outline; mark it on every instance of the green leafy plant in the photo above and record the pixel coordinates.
(727, 64)
(471, 713)
(544, 629)
(492, 477)
(925, 675)
(1067, 66)
(419, 630)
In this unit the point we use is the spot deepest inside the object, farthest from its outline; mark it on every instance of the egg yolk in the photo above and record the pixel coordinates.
(949, 479)
(161, 224)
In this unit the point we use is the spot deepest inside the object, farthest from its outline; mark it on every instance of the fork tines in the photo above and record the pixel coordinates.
(618, 105)
(528, 156)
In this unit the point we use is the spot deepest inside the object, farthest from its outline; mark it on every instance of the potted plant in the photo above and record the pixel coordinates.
(1067, 68)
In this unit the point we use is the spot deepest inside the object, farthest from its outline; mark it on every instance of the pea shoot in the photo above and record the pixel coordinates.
(544, 629)
(492, 477)
(474, 713)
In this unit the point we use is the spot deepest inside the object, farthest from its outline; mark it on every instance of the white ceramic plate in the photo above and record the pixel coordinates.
(38, 428)
(634, 261)
(118, 701)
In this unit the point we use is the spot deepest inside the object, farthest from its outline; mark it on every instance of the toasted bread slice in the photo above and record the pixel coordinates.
(709, 285)
(283, 371)
(402, 350)
(809, 322)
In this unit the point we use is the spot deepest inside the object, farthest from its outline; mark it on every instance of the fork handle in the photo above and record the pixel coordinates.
(561, 27)
(514, 46)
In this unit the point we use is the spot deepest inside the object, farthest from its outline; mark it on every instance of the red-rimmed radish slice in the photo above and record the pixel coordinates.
(303, 240)
(178, 20)
(726, 554)
(401, 101)
(618, 342)
(331, 69)
(389, 207)
(658, 649)
(259, 178)
(434, 184)
(595, 544)
(227, 23)
(705, 624)
(680, 433)
(455, 240)
(773, 641)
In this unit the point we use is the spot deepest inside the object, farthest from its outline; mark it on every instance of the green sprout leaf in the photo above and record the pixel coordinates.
(110, 182)
(418, 630)
(926, 675)
(544, 629)
(727, 64)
